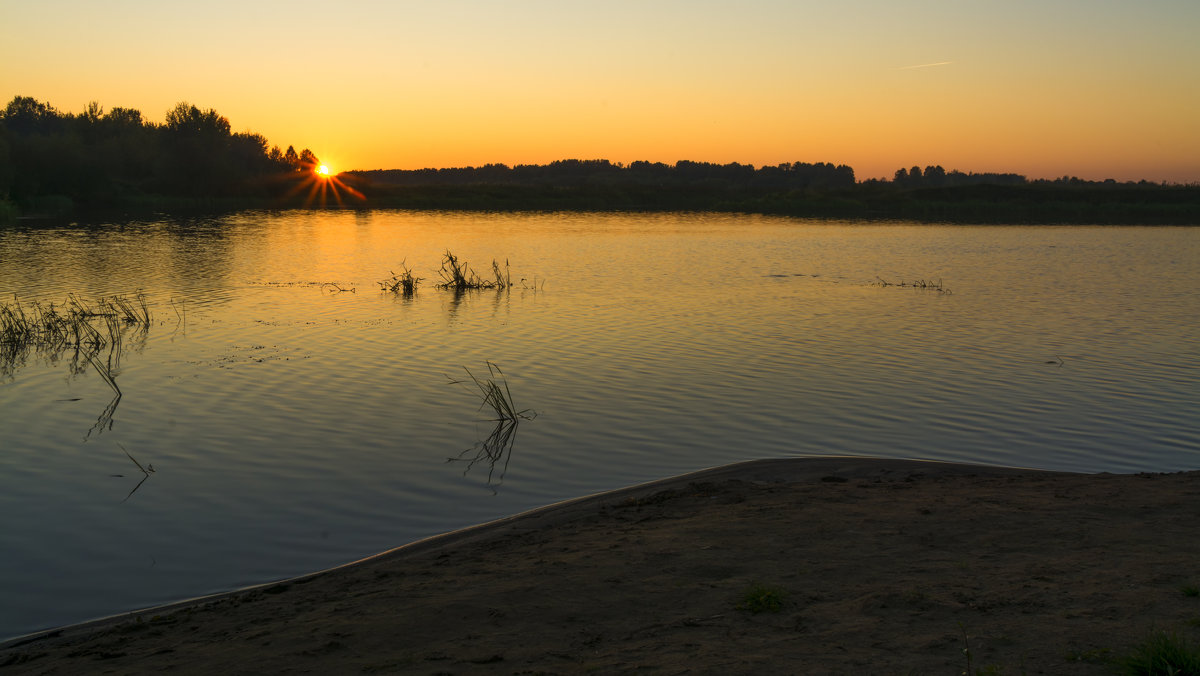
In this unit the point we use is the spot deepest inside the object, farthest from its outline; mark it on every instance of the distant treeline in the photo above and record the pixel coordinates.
(799, 189)
(51, 161)
(798, 175)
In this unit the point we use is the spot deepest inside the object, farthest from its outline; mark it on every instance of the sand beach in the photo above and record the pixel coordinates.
(817, 566)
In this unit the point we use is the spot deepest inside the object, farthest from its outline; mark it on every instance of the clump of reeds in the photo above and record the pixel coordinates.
(457, 275)
(496, 395)
(924, 284)
(75, 324)
(81, 328)
(404, 284)
(15, 326)
(135, 312)
(503, 277)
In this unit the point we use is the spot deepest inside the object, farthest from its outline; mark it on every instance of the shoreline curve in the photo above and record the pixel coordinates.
(774, 470)
(801, 565)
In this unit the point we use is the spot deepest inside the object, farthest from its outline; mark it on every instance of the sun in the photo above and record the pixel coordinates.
(321, 181)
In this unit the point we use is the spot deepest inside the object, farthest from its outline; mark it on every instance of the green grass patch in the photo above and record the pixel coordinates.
(762, 598)
(1162, 654)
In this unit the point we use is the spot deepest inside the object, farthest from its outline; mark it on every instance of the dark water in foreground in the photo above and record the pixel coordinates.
(293, 427)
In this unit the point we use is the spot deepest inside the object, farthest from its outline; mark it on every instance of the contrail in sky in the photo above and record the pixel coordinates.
(926, 65)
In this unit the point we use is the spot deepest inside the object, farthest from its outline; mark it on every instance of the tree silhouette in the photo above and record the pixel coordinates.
(98, 158)
(308, 161)
(188, 120)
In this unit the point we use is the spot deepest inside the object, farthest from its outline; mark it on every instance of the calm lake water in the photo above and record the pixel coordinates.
(293, 427)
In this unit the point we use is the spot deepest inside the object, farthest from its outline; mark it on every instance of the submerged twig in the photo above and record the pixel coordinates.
(146, 471)
(925, 284)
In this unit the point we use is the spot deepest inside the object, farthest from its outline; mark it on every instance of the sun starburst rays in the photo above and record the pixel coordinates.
(318, 184)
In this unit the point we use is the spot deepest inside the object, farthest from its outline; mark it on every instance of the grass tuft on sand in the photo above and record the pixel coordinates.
(1163, 653)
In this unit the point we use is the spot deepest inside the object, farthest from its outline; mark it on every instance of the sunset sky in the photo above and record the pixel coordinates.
(1091, 88)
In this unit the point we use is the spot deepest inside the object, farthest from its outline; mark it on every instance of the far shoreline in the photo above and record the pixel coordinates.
(1032, 204)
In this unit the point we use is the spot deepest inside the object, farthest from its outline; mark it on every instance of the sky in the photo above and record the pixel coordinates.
(1096, 89)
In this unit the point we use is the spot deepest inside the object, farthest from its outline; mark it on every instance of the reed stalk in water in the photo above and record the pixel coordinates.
(495, 394)
(404, 284)
(925, 284)
(457, 275)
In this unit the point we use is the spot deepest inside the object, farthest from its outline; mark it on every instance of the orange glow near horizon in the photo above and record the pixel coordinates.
(1068, 88)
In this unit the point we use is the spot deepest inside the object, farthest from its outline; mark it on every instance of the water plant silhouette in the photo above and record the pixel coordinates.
(79, 331)
(404, 284)
(457, 275)
(105, 419)
(496, 448)
(146, 472)
(924, 284)
(495, 395)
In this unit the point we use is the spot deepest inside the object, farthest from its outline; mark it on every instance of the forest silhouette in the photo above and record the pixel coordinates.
(51, 161)
(56, 163)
